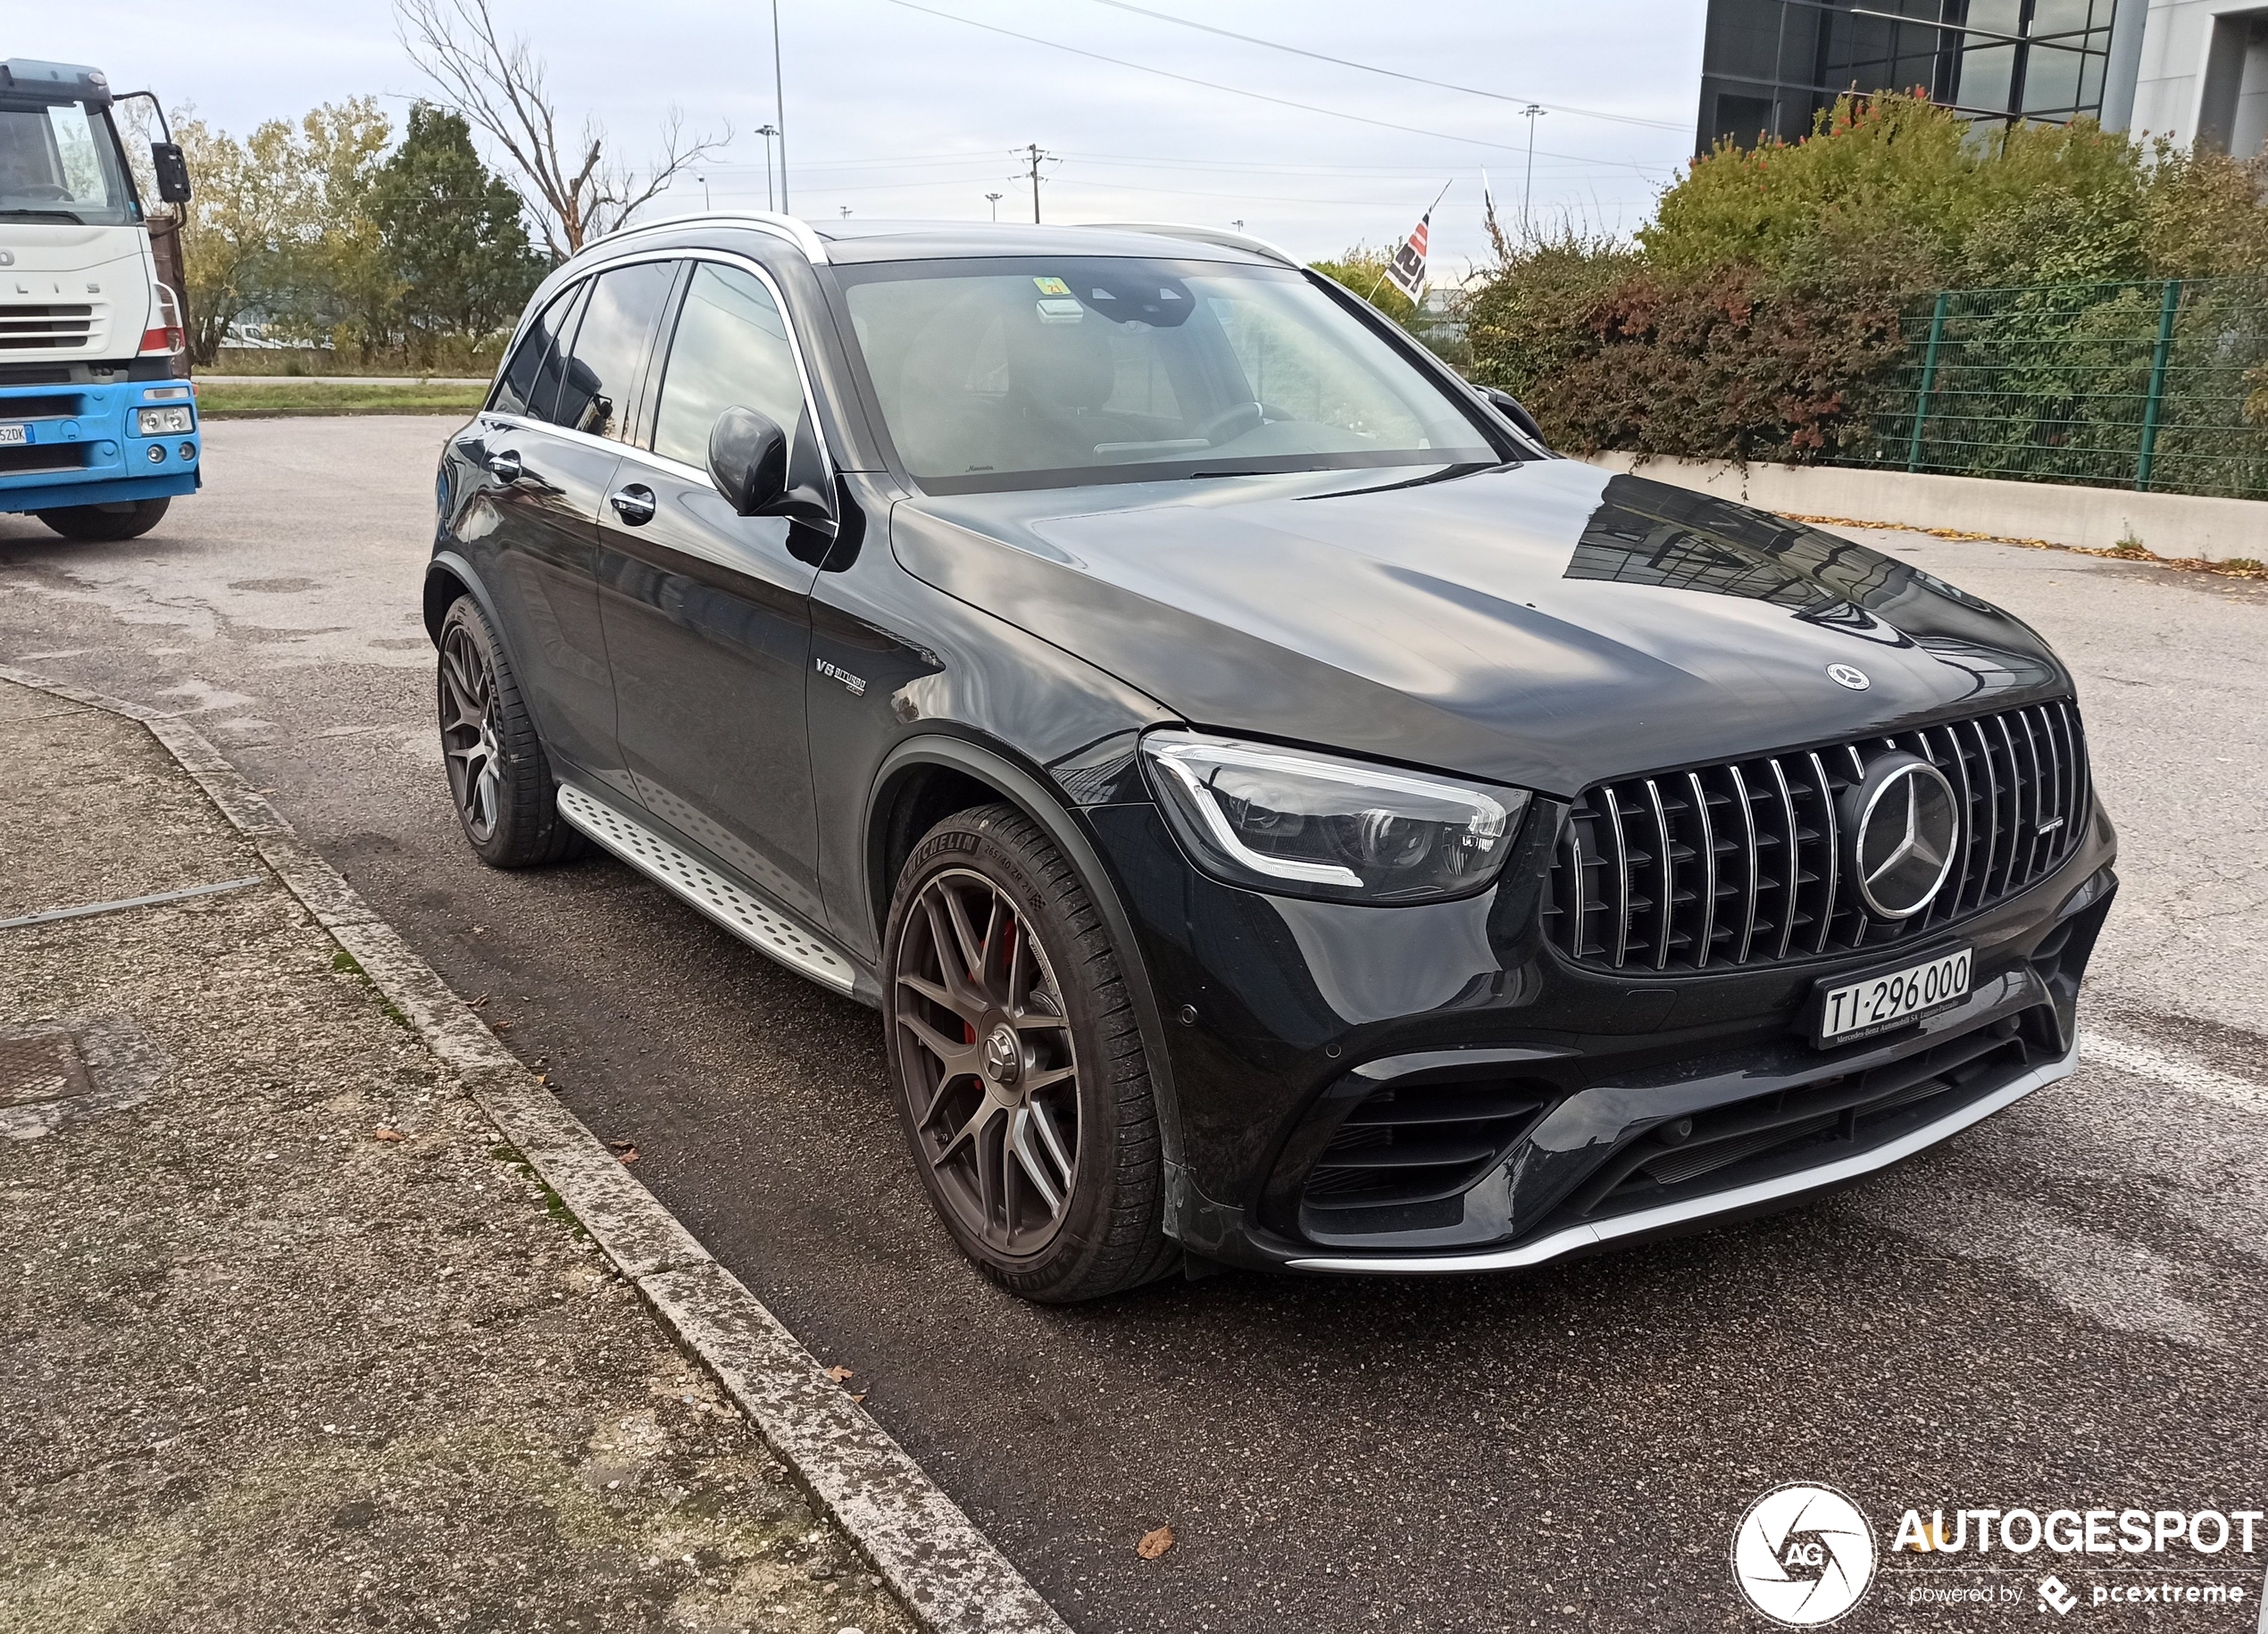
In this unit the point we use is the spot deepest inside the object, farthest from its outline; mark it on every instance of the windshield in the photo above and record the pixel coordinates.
(59, 161)
(1015, 374)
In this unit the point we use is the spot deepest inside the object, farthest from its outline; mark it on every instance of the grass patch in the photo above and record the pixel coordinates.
(289, 397)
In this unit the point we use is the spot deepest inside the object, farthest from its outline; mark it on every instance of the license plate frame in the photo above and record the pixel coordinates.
(15, 436)
(1935, 983)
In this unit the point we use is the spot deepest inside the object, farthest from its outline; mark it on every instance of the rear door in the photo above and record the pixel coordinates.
(550, 457)
(707, 613)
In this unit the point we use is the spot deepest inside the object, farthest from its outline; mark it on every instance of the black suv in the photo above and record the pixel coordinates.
(1285, 816)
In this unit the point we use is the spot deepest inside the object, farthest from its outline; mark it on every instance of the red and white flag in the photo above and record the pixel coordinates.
(1406, 271)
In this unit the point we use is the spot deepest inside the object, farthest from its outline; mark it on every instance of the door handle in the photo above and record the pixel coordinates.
(504, 467)
(634, 504)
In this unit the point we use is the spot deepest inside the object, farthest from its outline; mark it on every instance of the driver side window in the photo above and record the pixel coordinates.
(730, 351)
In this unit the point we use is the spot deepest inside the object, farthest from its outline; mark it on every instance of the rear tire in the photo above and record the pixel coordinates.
(1022, 1085)
(128, 520)
(500, 779)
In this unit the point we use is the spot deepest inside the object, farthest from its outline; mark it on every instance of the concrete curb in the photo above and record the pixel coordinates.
(949, 1575)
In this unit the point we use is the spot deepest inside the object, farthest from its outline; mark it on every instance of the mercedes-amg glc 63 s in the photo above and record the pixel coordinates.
(1285, 816)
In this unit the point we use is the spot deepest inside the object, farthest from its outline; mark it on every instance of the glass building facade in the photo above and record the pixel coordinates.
(1769, 66)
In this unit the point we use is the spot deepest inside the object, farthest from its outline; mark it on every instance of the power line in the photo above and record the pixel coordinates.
(1391, 73)
(1213, 85)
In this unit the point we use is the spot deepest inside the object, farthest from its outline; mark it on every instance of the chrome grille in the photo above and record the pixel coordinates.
(1737, 864)
(29, 328)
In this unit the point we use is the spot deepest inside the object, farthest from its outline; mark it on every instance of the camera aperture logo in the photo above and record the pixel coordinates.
(1802, 1555)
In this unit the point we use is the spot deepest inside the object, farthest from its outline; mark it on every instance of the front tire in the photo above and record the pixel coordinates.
(1022, 1085)
(500, 781)
(129, 519)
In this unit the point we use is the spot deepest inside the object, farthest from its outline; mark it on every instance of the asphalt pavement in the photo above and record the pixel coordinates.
(2063, 1308)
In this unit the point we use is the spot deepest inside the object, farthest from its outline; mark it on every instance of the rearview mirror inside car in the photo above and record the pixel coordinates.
(173, 172)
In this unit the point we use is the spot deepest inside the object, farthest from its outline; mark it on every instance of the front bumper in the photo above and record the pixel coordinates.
(84, 444)
(1541, 1097)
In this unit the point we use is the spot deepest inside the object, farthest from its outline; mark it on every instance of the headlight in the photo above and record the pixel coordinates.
(161, 421)
(1306, 825)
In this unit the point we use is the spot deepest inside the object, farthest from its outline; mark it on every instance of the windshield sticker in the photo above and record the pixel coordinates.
(1052, 286)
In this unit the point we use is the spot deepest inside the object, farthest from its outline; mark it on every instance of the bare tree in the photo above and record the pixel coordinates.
(498, 85)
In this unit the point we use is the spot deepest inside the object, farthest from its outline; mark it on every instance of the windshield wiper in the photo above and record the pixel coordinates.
(44, 215)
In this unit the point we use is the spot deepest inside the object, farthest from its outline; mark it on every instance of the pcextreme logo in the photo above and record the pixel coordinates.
(1802, 1555)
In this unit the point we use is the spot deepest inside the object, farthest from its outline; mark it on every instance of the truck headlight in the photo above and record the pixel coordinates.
(1302, 824)
(161, 421)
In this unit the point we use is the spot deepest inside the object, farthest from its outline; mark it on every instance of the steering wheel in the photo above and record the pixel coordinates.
(1242, 416)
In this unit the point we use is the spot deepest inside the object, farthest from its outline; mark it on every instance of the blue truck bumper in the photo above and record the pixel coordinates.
(82, 445)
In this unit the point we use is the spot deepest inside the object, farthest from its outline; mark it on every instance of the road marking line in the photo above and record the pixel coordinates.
(49, 915)
(2193, 1076)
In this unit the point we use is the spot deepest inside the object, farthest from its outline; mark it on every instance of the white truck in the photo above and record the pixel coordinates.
(98, 427)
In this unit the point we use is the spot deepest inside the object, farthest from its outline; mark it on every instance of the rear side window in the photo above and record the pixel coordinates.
(530, 382)
(601, 376)
(730, 350)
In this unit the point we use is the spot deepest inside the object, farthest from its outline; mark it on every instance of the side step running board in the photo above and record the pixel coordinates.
(756, 921)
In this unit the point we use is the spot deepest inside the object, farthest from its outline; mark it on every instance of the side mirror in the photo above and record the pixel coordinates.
(1510, 408)
(749, 459)
(760, 473)
(173, 172)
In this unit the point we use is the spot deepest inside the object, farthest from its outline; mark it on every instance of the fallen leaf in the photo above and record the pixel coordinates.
(840, 1373)
(500, 1027)
(385, 1134)
(1154, 1544)
(859, 1398)
(474, 1004)
(626, 1150)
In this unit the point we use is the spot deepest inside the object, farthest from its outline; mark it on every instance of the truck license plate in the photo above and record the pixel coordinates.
(15, 436)
(1860, 1009)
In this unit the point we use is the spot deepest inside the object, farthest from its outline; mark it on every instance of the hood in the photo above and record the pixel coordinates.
(1546, 625)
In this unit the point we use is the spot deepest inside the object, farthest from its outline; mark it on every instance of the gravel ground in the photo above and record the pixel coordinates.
(288, 1339)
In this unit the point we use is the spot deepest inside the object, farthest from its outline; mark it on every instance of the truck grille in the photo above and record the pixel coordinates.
(1739, 864)
(39, 328)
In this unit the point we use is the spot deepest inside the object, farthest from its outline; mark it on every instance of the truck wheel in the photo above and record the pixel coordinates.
(500, 779)
(129, 519)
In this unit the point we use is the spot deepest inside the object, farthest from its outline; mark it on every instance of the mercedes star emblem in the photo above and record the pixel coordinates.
(1903, 823)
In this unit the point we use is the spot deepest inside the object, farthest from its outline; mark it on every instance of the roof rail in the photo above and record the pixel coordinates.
(787, 227)
(1205, 235)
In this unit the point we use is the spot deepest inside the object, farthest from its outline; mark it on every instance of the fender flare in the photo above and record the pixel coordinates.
(450, 564)
(1032, 797)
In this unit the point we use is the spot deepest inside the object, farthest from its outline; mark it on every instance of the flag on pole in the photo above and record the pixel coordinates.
(1406, 271)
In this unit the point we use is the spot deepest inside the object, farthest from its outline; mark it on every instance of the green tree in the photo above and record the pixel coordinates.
(453, 234)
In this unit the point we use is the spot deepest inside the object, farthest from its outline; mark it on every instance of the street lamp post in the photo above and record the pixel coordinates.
(994, 200)
(767, 132)
(1531, 113)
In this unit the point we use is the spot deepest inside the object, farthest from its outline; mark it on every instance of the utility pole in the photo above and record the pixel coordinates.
(1035, 155)
(767, 132)
(779, 108)
(845, 209)
(1531, 113)
(994, 200)
(1238, 224)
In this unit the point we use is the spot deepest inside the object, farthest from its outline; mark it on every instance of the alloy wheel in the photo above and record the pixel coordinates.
(469, 731)
(992, 1077)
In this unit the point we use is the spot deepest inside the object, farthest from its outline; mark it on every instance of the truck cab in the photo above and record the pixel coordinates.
(98, 421)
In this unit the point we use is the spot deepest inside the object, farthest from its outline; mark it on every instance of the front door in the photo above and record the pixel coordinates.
(707, 613)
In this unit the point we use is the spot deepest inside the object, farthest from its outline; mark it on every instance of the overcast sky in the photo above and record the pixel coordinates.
(897, 110)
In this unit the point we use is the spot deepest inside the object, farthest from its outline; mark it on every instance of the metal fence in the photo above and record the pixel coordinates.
(2160, 386)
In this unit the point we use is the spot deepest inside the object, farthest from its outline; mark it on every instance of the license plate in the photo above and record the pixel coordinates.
(15, 436)
(1861, 1009)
